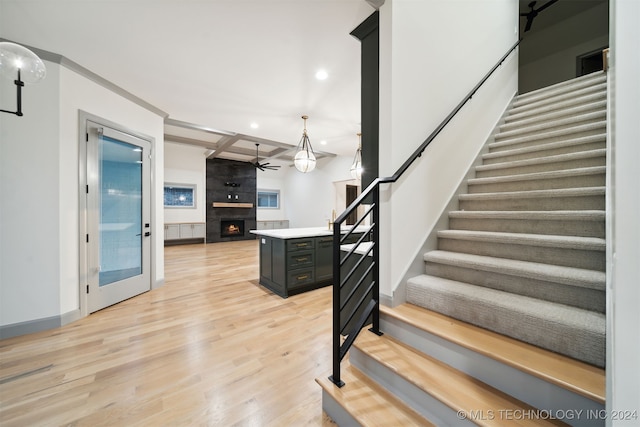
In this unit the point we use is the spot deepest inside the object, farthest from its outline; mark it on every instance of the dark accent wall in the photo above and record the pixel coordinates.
(224, 178)
(368, 34)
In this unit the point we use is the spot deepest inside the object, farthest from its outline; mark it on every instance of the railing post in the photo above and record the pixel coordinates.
(335, 378)
(375, 327)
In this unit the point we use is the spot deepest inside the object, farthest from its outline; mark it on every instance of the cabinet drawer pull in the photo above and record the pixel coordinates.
(302, 259)
(303, 277)
(301, 245)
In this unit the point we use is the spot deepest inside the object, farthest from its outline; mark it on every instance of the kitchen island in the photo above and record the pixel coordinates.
(295, 260)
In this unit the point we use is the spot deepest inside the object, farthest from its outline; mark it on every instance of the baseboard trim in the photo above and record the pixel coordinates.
(39, 325)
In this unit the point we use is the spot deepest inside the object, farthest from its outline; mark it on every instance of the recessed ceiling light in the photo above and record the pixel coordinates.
(322, 75)
(323, 142)
(254, 125)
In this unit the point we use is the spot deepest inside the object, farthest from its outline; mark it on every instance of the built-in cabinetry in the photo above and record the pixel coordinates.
(180, 233)
(272, 224)
(292, 262)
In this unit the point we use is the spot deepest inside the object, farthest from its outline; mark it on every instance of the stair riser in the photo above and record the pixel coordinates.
(546, 138)
(568, 257)
(523, 102)
(595, 180)
(588, 299)
(591, 109)
(516, 169)
(557, 108)
(527, 388)
(536, 204)
(552, 125)
(423, 403)
(538, 332)
(489, 160)
(546, 227)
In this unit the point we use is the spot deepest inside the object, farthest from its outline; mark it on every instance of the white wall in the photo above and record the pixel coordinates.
(30, 256)
(274, 180)
(39, 269)
(549, 55)
(184, 164)
(311, 196)
(623, 246)
(418, 88)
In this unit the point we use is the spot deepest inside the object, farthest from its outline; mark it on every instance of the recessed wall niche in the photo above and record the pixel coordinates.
(231, 184)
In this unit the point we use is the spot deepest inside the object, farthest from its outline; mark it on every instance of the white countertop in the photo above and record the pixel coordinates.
(296, 233)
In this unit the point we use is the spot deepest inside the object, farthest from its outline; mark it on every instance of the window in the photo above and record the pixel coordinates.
(269, 199)
(179, 195)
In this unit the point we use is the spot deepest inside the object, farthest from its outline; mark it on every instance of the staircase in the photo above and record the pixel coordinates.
(510, 313)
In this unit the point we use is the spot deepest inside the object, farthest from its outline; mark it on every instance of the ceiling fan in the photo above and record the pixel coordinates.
(263, 166)
(534, 12)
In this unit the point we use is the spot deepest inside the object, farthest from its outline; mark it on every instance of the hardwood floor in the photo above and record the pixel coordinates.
(210, 347)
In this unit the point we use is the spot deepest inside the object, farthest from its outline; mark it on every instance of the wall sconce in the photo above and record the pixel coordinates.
(305, 159)
(356, 167)
(16, 60)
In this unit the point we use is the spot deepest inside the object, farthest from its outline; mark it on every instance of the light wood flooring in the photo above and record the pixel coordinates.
(209, 348)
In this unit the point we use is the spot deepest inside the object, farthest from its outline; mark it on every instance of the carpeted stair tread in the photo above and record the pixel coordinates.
(588, 223)
(455, 389)
(592, 82)
(549, 241)
(569, 251)
(550, 136)
(521, 106)
(559, 158)
(554, 107)
(571, 142)
(579, 110)
(536, 176)
(587, 198)
(587, 215)
(571, 331)
(570, 276)
(565, 372)
(368, 402)
(562, 122)
(536, 194)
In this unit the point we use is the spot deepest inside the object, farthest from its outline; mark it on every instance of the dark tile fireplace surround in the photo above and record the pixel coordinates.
(233, 184)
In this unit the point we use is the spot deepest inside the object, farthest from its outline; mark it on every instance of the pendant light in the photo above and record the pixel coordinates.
(21, 65)
(305, 159)
(356, 167)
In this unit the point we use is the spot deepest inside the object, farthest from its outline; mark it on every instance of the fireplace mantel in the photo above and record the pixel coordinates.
(232, 205)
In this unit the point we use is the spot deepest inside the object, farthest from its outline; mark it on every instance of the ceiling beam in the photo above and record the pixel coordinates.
(224, 145)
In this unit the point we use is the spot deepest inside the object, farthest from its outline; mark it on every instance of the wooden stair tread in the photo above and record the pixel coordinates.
(368, 402)
(573, 375)
(457, 390)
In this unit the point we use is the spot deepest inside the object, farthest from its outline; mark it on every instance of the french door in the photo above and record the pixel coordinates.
(118, 224)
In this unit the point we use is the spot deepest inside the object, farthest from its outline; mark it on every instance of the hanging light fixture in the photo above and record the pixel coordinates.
(305, 159)
(356, 167)
(22, 66)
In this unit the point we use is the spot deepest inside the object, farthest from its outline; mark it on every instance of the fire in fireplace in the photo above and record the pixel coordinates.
(232, 228)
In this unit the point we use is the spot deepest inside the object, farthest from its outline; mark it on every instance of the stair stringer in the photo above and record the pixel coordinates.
(528, 388)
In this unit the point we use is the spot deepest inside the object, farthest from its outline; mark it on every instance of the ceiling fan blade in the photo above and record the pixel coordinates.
(546, 5)
(529, 22)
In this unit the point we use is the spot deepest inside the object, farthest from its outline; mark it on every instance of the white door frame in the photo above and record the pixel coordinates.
(83, 124)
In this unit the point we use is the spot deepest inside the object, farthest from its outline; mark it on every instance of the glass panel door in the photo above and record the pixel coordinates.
(118, 212)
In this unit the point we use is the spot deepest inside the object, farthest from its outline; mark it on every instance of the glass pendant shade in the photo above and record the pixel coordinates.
(19, 62)
(356, 166)
(305, 159)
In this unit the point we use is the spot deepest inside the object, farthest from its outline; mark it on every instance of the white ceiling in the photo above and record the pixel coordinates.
(216, 65)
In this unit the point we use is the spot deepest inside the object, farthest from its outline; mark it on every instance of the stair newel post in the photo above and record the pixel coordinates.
(375, 327)
(335, 378)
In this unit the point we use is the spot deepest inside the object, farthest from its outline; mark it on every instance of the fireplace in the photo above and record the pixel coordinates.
(232, 228)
